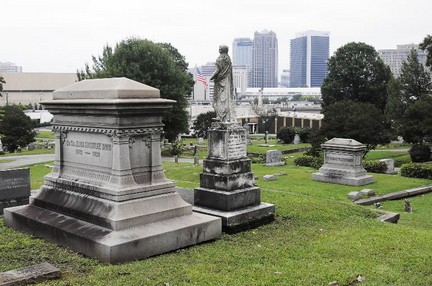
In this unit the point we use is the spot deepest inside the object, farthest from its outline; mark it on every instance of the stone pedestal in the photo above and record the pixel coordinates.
(107, 196)
(343, 163)
(226, 184)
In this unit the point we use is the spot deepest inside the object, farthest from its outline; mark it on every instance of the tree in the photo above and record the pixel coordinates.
(202, 123)
(360, 121)
(413, 85)
(16, 129)
(356, 73)
(156, 64)
(426, 45)
(417, 121)
(2, 81)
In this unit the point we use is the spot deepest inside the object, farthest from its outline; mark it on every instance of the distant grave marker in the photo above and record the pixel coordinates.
(274, 158)
(14, 188)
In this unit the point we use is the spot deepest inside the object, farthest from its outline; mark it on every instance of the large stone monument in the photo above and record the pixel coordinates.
(226, 184)
(343, 163)
(107, 196)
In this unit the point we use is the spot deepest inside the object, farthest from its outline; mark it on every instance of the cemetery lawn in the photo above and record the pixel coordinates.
(319, 236)
(27, 152)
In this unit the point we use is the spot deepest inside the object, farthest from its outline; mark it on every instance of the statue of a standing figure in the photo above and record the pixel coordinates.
(223, 96)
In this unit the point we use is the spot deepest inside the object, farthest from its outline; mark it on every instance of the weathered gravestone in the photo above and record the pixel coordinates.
(390, 164)
(14, 188)
(200, 140)
(343, 163)
(29, 275)
(226, 184)
(107, 196)
(274, 158)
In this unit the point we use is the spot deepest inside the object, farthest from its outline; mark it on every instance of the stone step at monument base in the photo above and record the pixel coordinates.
(111, 246)
(241, 219)
(227, 200)
(350, 181)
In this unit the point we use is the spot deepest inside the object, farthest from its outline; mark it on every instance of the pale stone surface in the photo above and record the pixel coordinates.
(390, 163)
(355, 196)
(107, 195)
(269, 177)
(30, 275)
(368, 192)
(200, 140)
(274, 158)
(343, 163)
(296, 139)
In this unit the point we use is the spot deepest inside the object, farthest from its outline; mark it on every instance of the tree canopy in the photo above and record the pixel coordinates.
(159, 65)
(360, 121)
(16, 128)
(409, 96)
(202, 123)
(356, 73)
(426, 45)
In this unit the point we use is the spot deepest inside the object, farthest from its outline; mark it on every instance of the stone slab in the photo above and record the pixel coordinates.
(274, 158)
(29, 275)
(114, 246)
(226, 182)
(227, 201)
(354, 196)
(389, 217)
(242, 219)
(355, 181)
(396, 195)
(14, 184)
(269, 177)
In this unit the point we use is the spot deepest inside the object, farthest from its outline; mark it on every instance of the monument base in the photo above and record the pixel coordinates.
(241, 219)
(350, 181)
(111, 246)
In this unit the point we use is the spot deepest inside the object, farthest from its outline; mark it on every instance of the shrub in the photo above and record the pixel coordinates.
(316, 138)
(257, 160)
(375, 166)
(286, 134)
(420, 153)
(305, 134)
(176, 148)
(309, 161)
(416, 170)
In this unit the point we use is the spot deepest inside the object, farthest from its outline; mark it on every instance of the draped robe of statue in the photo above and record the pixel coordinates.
(223, 96)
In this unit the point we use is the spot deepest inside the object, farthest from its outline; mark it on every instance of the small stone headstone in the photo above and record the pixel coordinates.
(31, 146)
(14, 188)
(297, 139)
(355, 196)
(196, 160)
(200, 140)
(269, 177)
(390, 163)
(266, 139)
(30, 275)
(274, 158)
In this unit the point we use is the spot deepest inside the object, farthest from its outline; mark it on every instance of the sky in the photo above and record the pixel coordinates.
(61, 36)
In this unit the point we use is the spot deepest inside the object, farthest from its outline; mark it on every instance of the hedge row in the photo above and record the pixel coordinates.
(417, 170)
(309, 161)
(375, 166)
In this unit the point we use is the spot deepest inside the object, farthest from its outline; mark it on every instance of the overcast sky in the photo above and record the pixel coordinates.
(61, 36)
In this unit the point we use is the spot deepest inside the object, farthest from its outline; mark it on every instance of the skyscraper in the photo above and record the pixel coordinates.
(265, 60)
(242, 55)
(308, 60)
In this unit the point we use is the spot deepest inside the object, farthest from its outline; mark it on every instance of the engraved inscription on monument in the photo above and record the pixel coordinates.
(94, 149)
(339, 159)
(236, 145)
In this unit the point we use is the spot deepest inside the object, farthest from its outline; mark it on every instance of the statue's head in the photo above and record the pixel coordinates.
(223, 49)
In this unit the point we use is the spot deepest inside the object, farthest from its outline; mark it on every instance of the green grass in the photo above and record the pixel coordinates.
(27, 152)
(318, 236)
(45, 135)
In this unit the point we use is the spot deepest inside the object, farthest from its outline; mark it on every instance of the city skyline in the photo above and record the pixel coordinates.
(57, 36)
